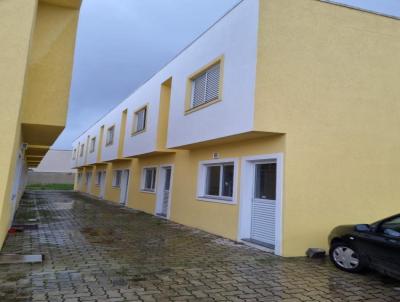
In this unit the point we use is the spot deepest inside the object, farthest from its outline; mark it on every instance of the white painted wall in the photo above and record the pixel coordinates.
(91, 157)
(113, 118)
(148, 94)
(234, 37)
(55, 161)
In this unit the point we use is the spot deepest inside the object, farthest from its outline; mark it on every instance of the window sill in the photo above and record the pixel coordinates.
(138, 132)
(147, 191)
(116, 187)
(191, 110)
(216, 200)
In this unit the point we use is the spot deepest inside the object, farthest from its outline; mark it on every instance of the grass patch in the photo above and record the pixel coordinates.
(43, 187)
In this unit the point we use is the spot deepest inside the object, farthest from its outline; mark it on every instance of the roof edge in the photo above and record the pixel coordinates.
(353, 7)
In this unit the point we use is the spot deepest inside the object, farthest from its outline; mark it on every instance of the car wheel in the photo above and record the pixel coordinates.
(346, 258)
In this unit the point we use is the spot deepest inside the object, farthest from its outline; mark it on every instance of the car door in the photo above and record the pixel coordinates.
(387, 245)
(380, 245)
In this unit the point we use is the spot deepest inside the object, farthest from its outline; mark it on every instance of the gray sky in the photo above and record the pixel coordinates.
(121, 43)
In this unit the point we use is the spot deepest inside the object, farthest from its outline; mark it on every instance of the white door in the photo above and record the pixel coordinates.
(88, 182)
(165, 192)
(102, 184)
(264, 204)
(124, 187)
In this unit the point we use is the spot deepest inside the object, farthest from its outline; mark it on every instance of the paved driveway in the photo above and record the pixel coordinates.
(100, 252)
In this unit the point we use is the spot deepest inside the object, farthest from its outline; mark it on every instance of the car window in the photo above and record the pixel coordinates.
(391, 227)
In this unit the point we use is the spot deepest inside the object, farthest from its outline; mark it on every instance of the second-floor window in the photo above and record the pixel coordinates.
(140, 120)
(92, 145)
(74, 154)
(82, 149)
(205, 86)
(110, 136)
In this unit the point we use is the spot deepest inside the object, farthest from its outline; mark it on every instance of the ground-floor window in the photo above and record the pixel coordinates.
(217, 181)
(149, 179)
(116, 182)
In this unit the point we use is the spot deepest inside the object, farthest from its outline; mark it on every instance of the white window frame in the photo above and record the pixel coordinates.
(92, 144)
(109, 141)
(202, 180)
(136, 120)
(116, 181)
(143, 180)
(193, 86)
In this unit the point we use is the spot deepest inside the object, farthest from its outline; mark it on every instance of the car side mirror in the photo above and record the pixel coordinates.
(362, 228)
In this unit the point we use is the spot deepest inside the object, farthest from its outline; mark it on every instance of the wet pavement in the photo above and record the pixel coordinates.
(97, 251)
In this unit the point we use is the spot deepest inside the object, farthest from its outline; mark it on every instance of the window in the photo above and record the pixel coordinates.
(205, 87)
(116, 182)
(265, 186)
(149, 179)
(218, 181)
(140, 120)
(92, 145)
(74, 154)
(110, 136)
(82, 148)
(98, 178)
(391, 227)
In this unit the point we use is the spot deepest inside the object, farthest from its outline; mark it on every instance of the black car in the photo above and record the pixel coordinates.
(354, 248)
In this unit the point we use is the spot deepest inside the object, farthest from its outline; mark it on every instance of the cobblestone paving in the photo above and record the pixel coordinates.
(95, 251)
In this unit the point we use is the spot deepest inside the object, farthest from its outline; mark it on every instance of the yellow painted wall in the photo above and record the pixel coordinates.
(145, 201)
(16, 24)
(328, 77)
(49, 69)
(88, 188)
(96, 188)
(114, 193)
(31, 45)
(217, 218)
(163, 115)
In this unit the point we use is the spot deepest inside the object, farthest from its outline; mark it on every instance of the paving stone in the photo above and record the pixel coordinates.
(98, 251)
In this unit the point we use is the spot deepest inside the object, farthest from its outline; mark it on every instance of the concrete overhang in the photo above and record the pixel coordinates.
(44, 135)
(36, 150)
(227, 139)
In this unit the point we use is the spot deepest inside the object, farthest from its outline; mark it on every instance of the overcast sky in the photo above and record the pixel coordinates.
(121, 43)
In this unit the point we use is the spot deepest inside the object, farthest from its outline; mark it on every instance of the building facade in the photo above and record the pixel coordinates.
(53, 169)
(277, 124)
(36, 58)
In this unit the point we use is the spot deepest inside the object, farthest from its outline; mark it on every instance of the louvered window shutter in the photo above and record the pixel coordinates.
(206, 86)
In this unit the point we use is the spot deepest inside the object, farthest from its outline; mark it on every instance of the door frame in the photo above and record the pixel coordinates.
(246, 196)
(160, 189)
(125, 182)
